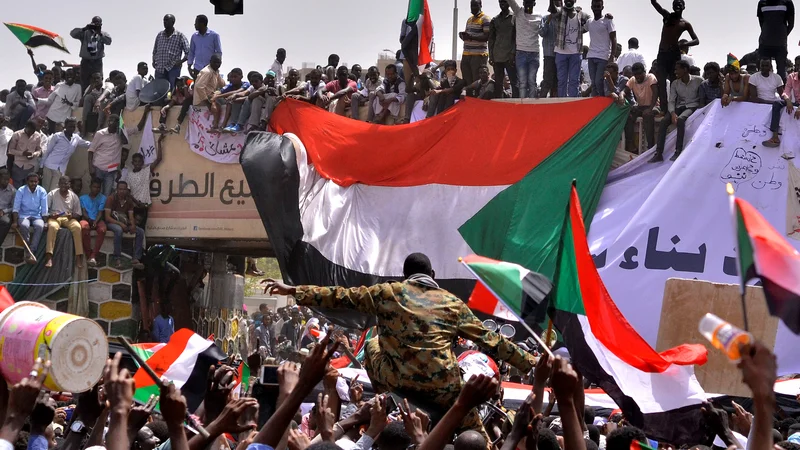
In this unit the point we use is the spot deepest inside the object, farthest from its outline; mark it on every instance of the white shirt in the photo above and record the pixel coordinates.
(131, 94)
(5, 137)
(277, 67)
(138, 183)
(767, 87)
(688, 59)
(599, 33)
(630, 58)
(571, 40)
(59, 111)
(60, 149)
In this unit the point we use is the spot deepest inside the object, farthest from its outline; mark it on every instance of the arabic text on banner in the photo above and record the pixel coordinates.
(673, 220)
(147, 147)
(223, 148)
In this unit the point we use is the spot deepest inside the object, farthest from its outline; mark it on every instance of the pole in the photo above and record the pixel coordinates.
(25, 243)
(744, 310)
(455, 30)
(548, 335)
(742, 280)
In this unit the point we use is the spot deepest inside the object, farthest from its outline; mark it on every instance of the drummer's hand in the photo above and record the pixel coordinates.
(23, 396)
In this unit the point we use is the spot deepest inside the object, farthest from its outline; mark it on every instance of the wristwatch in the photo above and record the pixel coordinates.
(77, 427)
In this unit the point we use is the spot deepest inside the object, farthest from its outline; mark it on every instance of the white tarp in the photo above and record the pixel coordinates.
(219, 147)
(673, 220)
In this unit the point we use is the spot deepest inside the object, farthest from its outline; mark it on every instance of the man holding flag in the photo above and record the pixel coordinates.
(418, 323)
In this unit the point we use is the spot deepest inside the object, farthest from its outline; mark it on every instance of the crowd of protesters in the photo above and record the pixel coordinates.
(501, 59)
(578, 53)
(342, 416)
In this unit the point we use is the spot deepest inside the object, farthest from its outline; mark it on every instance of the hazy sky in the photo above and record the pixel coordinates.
(357, 31)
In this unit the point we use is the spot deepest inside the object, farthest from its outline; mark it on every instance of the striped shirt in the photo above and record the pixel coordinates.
(476, 26)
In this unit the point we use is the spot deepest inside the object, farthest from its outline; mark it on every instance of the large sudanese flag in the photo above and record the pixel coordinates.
(657, 392)
(33, 37)
(764, 253)
(344, 202)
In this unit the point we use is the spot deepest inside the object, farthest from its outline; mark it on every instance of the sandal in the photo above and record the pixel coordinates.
(772, 143)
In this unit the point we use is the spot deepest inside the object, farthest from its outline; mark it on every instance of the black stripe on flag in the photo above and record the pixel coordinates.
(195, 387)
(678, 426)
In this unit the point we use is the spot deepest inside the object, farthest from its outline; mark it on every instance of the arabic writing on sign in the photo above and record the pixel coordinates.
(744, 165)
(773, 184)
(755, 131)
(655, 259)
(222, 148)
(148, 152)
(189, 188)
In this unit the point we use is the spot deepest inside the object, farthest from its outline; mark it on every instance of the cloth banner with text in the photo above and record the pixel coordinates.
(672, 220)
(223, 148)
(147, 147)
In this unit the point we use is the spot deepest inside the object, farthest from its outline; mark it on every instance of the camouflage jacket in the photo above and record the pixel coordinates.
(418, 326)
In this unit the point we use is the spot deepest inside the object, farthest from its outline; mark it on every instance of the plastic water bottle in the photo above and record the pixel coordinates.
(724, 336)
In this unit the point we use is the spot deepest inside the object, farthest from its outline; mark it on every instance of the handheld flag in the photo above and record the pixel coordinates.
(184, 360)
(657, 392)
(418, 42)
(515, 292)
(33, 37)
(765, 254)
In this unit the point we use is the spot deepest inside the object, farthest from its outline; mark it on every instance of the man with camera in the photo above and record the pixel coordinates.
(93, 41)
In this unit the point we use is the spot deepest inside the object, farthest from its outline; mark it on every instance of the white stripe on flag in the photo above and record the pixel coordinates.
(653, 392)
(181, 369)
(364, 228)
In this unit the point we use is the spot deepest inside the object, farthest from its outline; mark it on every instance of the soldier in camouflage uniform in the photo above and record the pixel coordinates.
(418, 323)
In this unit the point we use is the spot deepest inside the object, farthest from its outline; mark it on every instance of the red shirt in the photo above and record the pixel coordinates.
(334, 87)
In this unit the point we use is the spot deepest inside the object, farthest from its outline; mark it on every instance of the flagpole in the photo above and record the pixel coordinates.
(500, 299)
(742, 282)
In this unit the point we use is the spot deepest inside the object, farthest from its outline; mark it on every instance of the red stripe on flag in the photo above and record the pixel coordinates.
(446, 149)
(607, 322)
(164, 358)
(36, 29)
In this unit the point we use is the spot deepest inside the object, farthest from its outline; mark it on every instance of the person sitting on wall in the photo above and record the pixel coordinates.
(64, 209)
(30, 209)
(119, 218)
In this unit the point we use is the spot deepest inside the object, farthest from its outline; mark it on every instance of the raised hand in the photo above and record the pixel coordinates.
(356, 391)
(220, 382)
(479, 389)
(412, 420)
(173, 405)
(118, 385)
(759, 370)
(316, 363)
(564, 380)
(378, 420)
(325, 418)
(298, 440)
(229, 418)
(139, 415)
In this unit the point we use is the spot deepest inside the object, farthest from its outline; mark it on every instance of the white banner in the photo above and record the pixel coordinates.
(793, 203)
(219, 147)
(673, 220)
(147, 146)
